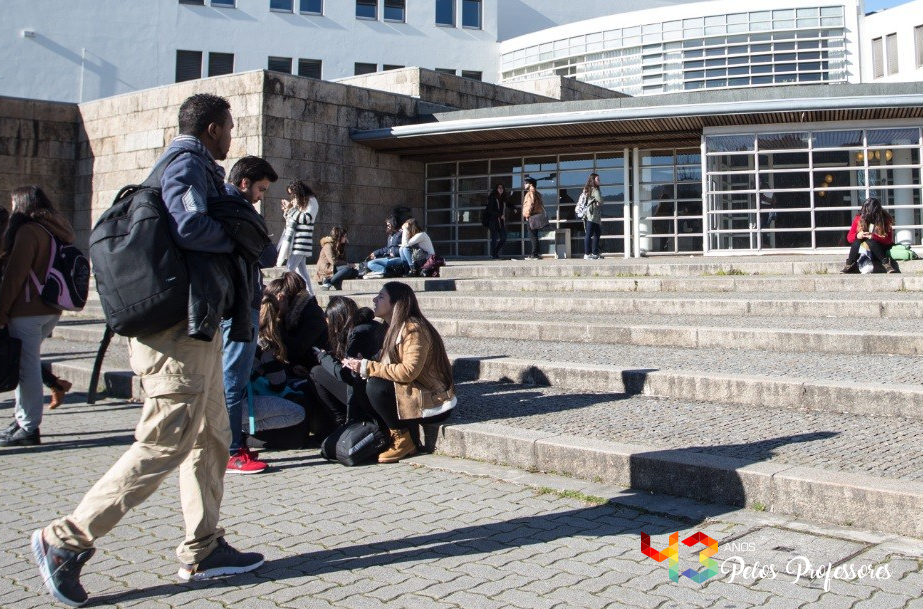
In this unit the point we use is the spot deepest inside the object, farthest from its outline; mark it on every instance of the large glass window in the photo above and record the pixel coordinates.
(367, 9)
(445, 12)
(797, 190)
(456, 194)
(471, 13)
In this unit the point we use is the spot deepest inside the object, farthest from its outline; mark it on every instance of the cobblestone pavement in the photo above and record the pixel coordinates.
(430, 532)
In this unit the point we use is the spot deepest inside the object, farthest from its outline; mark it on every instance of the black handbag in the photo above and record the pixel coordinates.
(354, 443)
(10, 349)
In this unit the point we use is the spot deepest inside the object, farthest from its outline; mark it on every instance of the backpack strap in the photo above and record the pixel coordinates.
(39, 285)
(153, 180)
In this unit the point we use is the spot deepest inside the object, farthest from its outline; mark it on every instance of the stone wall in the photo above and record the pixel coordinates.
(564, 89)
(122, 137)
(38, 145)
(444, 89)
(307, 127)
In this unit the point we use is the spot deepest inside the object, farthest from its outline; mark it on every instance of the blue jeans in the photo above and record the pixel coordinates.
(238, 362)
(381, 265)
(407, 256)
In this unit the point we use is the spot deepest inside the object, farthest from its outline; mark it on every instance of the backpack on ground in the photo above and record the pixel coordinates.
(67, 282)
(902, 252)
(583, 204)
(354, 443)
(140, 272)
(432, 265)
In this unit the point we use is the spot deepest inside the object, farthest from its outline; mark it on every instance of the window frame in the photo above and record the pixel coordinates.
(893, 66)
(469, 74)
(384, 14)
(454, 16)
(282, 10)
(320, 67)
(209, 63)
(367, 3)
(301, 10)
(480, 5)
(878, 57)
(223, 4)
(362, 63)
(279, 57)
(918, 44)
(177, 65)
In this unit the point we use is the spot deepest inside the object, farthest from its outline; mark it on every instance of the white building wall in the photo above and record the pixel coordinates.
(81, 50)
(900, 20)
(631, 49)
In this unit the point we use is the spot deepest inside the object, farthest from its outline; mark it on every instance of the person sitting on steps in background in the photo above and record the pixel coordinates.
(387, 260)
(872, 228)
(332, 268)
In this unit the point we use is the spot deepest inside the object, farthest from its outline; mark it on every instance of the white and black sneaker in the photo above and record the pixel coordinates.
(224, 560)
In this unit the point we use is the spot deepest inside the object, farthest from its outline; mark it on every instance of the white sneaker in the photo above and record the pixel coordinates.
(587, 257)
(373, 276)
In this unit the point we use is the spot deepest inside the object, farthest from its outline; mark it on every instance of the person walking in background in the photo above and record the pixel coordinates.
(387, 259)
(496, 217)
(412, 382)
(534, 212)
(592, 220)
(872, 230)
(332, 269)
(300, 215)
(184, 422)
(412, 239)
(24, 257)
(250, 178)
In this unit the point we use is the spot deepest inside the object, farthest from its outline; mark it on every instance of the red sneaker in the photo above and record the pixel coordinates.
(243, 462)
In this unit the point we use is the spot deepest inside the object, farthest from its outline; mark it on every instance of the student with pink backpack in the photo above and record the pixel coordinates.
(26, 252)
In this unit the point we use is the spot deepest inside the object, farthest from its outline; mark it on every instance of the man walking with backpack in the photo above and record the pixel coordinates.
(184, 422)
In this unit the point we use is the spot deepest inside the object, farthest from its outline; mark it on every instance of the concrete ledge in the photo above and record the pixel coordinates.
(893, 506)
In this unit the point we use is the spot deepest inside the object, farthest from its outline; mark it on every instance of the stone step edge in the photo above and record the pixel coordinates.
(904, 401)
(841, 498)
(687, 337)
(795, 340)
(896, 400)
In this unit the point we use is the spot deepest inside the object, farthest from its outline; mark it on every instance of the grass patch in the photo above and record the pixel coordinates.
(726, 272)
(590, 499)
(758, 506)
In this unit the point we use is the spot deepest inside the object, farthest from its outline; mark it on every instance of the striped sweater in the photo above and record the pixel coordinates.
(302, 221)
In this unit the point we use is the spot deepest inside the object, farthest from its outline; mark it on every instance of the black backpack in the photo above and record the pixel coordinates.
(354, 443)
(140, 272)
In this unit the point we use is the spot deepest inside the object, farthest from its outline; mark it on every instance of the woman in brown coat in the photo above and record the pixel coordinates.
(332, 268)
(26, 253)
(532, 206)
(412, 381)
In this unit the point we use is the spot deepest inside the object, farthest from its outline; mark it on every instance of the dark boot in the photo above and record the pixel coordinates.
(851, 267)
(889, 268)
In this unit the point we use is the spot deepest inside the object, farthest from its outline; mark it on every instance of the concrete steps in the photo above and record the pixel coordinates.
(589, 343)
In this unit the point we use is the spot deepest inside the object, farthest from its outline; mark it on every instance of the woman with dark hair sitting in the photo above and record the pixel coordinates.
(353, 333)
(872, 230)
(291, 326)
(332, 268)
(412, 383)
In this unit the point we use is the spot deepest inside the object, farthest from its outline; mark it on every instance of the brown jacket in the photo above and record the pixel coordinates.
(532, 204)
(417, 383)
(31, 252)
(326, 265)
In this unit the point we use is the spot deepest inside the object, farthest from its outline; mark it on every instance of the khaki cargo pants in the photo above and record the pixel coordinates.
(184, 423)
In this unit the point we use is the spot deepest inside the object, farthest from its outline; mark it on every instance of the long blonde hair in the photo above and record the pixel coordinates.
(277, 298)
(412, 227)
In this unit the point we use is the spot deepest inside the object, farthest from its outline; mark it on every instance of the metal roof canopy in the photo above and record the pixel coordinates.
(675, 120)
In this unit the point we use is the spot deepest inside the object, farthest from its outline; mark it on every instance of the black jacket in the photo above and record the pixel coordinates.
(365, 340)
(392, 250)
(222, 285)
(305, 327)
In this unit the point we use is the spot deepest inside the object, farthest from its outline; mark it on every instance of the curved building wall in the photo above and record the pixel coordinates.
(707, 45)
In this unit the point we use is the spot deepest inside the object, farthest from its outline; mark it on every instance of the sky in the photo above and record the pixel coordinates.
(877, 5)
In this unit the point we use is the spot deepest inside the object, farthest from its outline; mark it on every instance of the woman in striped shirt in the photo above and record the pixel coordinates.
(300, 215)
